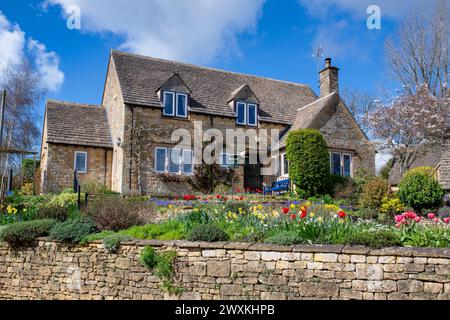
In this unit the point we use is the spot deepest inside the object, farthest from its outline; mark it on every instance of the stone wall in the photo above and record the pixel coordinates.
(58, 168)
(226, 271)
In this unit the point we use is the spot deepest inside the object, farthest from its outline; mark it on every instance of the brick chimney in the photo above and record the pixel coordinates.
(329, 79)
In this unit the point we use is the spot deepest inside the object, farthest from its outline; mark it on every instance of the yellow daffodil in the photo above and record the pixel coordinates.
(312, 214)
(292, 206)
(260, 207)
(170, 207)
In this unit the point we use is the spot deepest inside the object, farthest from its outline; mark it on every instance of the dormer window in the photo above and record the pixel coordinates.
(246, 114)
(175, 104)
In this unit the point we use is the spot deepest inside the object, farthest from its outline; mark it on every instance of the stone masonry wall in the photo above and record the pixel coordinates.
(226, 271)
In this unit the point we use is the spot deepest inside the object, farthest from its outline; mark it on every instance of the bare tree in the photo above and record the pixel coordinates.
(410, 125)
(417, 53)
(359, 104)
(20, 131)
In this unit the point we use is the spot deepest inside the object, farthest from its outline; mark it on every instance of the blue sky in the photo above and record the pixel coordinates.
(269, 38)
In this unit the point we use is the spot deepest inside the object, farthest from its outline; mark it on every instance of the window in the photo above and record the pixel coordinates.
(173, 160)
(240, 110)
(160, 160)
(187, 161)
(252, 114)
(169, 103)
(175, 104)
(181, 105)
(341, 164)
(246, 114)
(225, 160)
(284, 165)
(81, 162)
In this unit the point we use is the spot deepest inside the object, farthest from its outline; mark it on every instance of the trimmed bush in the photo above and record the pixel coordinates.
(206, 232)
(373, 193)
(420, 190)
(115, 213)
(73, 230)
(309, 162)
(23, 234)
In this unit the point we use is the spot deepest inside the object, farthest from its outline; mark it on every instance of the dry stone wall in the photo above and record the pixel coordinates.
(52, 270)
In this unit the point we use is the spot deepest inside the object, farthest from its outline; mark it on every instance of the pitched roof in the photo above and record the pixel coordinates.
(307, 114)
(430, 159)
(77, 124)
(140, 77)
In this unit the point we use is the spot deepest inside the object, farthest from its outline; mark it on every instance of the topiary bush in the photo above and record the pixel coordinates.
(23, 234)
(373, 193)
(420, 190)
(207, 232)
(73, 230)
(309, 162)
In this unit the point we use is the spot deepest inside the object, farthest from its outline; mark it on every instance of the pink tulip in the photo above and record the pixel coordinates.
(447, 220)
(436, 220)
(417, 219)
(410, 215)
(431, 216)
(399, 218)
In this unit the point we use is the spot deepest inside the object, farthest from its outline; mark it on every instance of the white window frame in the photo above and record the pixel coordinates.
(248, 114)
(85, 161)
(245, 113)
(174, 105)
(165, 159)
(283, 167)
(185, 105)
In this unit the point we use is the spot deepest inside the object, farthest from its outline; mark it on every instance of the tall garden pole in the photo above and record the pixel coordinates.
(2, 115)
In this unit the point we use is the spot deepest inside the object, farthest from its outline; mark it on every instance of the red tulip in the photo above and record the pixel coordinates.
(342, 214)
(293, 216)
(304, 214)
(286, 210)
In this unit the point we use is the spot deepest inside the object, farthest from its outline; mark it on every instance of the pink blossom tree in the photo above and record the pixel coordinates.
(410, 125)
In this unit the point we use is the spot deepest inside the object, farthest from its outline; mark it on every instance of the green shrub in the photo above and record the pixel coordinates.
(53, 212)
(419, 191)
(73, 230)
(148, 257)
(115, 213)
(23, 234)
(309, 162)
(97, 189)
(373, 193)
(64, 200)
(207, 233)
(429, 171)
(167, 230)
(112, 242)
(374, 238)
(390, 206)
(285, 238)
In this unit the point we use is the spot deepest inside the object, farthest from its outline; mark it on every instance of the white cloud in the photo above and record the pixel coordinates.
(195, 31)
(14, 47)
(47, 64)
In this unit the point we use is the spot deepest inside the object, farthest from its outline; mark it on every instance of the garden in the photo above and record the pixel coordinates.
(356, 211)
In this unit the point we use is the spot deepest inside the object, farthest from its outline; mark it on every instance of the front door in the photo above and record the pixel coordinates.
(252, 176)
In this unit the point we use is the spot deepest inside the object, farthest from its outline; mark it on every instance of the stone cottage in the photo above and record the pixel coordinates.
(125, 143)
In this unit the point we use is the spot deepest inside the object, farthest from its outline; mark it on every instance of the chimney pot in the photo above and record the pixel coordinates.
(327, 62)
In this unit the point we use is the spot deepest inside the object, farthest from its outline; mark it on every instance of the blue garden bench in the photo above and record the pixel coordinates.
(278, 186)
